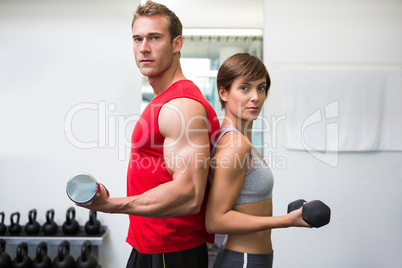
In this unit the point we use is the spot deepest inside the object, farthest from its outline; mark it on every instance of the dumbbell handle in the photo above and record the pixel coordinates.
(296, 205)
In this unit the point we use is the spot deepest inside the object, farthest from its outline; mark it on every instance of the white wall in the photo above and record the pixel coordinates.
(54, 56)
(363, 190)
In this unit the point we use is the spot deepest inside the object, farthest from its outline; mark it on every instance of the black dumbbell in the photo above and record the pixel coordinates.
(315, 212)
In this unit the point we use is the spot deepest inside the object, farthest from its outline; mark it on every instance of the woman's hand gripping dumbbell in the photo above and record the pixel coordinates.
(315, 213)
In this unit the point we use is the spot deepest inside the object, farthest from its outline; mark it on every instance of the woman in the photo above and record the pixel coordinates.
(240, 199)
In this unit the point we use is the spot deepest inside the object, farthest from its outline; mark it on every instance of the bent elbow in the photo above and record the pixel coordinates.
(194, 202)
(194, 207)
(209, 226)
(212, 227)
(190, 205)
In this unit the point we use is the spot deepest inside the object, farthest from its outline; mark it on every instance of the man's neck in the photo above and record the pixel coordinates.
(162, 82)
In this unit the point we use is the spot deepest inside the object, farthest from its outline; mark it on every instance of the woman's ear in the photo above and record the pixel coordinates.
(177, 44)
(222, 93)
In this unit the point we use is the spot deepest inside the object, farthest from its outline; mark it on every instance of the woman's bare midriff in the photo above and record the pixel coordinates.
(256, 242)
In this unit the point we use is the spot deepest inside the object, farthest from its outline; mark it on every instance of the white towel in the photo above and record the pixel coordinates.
(342, 109)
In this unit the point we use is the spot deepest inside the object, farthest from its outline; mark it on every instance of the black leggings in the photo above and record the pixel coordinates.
(194, 258)
(226, 258)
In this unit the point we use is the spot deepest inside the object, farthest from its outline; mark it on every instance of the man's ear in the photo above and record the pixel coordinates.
(222, 93)
(177, 44)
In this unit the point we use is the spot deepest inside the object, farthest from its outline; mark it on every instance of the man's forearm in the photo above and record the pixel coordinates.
(164, 201)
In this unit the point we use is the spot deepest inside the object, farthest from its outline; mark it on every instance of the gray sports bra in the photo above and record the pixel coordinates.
(258, 181)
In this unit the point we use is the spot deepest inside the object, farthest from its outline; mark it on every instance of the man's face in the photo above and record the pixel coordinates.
(153, 49)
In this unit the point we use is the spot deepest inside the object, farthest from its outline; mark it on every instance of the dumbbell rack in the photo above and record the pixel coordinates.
(53, 242)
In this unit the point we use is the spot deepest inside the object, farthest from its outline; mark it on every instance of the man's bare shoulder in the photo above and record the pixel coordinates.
(187, 106)
(181, 114)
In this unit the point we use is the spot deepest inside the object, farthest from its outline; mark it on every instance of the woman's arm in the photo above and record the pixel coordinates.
(229, 170)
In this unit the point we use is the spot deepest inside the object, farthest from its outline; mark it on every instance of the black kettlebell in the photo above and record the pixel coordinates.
(15, 227)
(315, 213)
(32, 227)
(42, 260)
(93, 226)
(64, 259)
(70, 226)
(86, 260)
(5, 259)
(49, 227)
(3, 227)
(22, 260)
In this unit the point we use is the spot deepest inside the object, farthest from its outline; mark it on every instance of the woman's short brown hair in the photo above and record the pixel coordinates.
(241, 65)
(151, 8)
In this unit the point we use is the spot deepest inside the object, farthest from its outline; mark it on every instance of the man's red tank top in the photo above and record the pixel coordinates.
(147, 170)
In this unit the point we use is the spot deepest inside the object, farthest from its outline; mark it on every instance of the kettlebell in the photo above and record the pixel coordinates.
(49, 227)
(86, 260)
(64, 259)
(3, 227)
(5, 260)
(70, 226)
(93, 226)
(15, 227)
(22, 260)
(42, 260)
(32, 227)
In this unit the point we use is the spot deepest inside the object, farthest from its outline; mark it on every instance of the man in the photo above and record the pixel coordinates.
(168, 169)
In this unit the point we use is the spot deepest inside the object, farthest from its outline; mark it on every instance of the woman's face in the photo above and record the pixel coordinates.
(245, 98)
